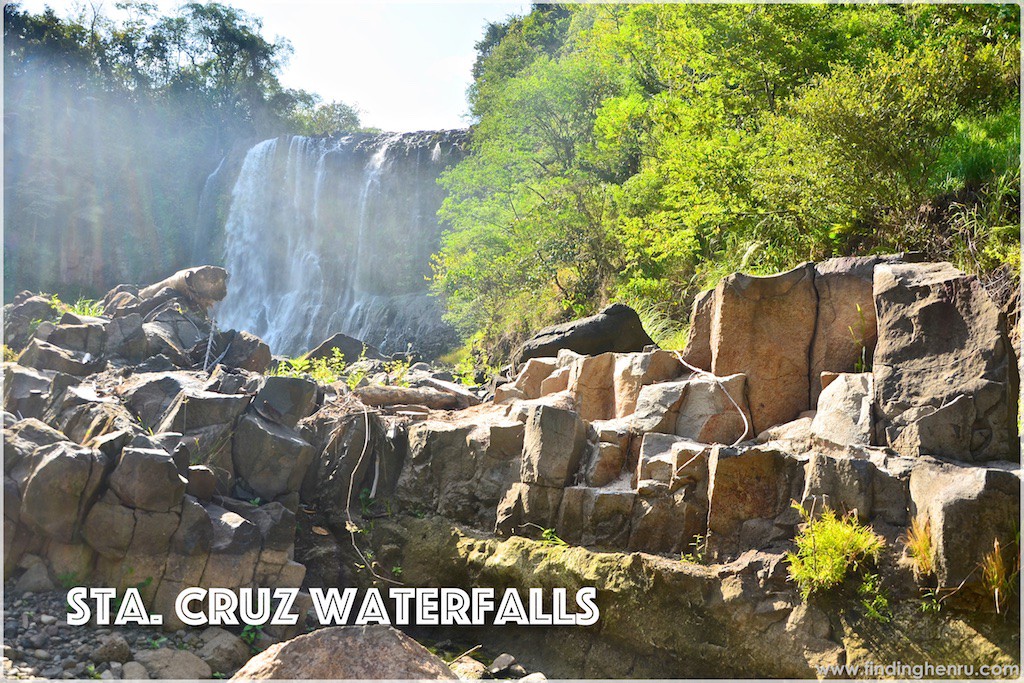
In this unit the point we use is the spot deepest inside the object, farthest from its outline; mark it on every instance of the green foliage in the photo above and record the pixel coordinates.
(82, 306)
(91, 672)
(874, 599)
(828, 549)
(640, 152)
(250, 634)
(322, 370)
(397, 371)
(698, 552)
(10, 355)
(156, 642)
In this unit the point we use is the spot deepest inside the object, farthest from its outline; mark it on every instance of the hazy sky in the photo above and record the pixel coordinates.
(406, 65)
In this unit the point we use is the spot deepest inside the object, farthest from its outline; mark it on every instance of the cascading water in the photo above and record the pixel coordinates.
(335, 235)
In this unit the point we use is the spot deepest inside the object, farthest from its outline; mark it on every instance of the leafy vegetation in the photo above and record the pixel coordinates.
(640, 152)
(322, 370)
(828, 548)
(82, 306)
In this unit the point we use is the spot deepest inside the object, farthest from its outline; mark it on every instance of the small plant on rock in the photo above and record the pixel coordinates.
(10, 355)
(698, 554)
(999, 573)
(919, 546)
(829, 548)
(874, 599)
(250, 634)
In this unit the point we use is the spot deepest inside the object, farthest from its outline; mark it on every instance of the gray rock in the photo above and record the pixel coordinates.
(202, 482)
(553, 446)
(147, 479)
(844, 416)
(616, 329)
(271, 459)
(113, 648)
(945, 375)
(36, 579)
(286, 400)
(45, 356)
(63, 477)
(134, 671)
(194, 409)
(501, 663)
(166, 663)
(222, 650)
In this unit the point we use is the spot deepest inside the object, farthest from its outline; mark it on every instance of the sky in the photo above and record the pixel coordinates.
(405, 65)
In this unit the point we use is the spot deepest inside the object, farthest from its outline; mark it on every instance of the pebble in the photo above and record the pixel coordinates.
(47, 619)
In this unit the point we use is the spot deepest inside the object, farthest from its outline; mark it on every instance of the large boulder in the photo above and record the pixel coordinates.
(194, 409)
(147, 479)
(615, 329)
(703, 408)
(26, 390)
(968, 509)
(350, 348)
(149, 394)
(763, 327)
(347, 653)
(945, 375)
(43, 355)
(202, 285)
(61, 484)
(271, 459)
(286, 400)
(169, 663)
(845, 330)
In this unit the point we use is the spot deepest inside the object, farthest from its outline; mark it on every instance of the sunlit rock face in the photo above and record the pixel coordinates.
(329, 235)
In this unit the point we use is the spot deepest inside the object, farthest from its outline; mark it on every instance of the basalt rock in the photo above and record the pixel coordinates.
(945, 376)
(615, 329)
(203, 285)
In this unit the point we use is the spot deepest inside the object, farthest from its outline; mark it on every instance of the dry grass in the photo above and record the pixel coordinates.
(919, 545)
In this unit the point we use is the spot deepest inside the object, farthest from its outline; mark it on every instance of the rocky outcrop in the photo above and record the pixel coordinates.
(946, 379)
(615, 329)
(347, 652)
(763, 327)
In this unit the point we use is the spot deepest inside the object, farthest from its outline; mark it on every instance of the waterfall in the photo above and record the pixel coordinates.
(328, 235)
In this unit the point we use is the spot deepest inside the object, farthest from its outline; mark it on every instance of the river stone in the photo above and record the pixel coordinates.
(112, 648)
(36, 579)
(286, 400)
(616, 329)
(553, 446)
(147, 479)
(223, 650)
(763, 327)
(271, 459)
(167, 663)
(945, 375)
(133, 671)
(698, 345)
(347, 652)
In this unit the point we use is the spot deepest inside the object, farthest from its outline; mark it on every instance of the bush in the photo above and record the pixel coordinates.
(828, 549)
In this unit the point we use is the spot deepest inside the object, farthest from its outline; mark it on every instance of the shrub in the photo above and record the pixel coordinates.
(828, 549)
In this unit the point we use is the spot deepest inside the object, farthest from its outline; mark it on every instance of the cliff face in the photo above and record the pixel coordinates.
(328, 235)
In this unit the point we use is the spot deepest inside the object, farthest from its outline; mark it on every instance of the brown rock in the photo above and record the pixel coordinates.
(347, 652)
(763, 327)
(698, 346)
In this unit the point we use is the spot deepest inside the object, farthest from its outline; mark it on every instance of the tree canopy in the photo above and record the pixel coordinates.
(639, 152)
